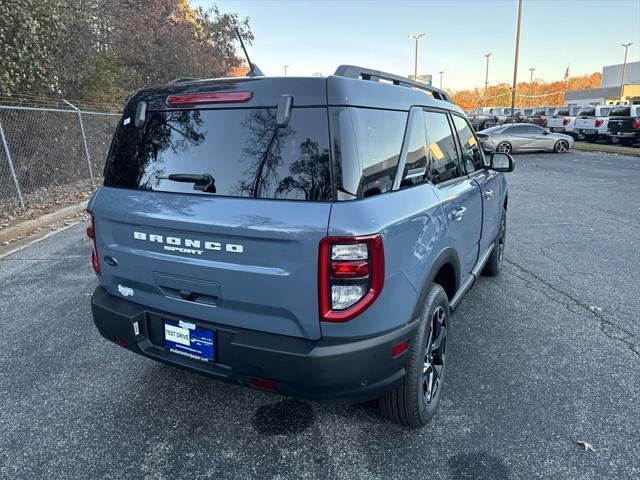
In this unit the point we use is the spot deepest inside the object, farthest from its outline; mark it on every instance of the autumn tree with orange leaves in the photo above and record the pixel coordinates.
(535, 94)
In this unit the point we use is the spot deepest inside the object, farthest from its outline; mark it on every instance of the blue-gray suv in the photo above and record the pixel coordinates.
(307, 236)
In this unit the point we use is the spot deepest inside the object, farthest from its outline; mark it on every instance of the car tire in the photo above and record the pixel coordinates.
(492, 268)
(561, 146)
(415, 400)
(614, 140)
(581, 136)
(504, 147)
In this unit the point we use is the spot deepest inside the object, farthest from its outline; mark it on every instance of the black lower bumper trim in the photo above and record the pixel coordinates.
(326, 369)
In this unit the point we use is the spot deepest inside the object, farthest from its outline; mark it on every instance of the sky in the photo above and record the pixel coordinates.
(316, 36)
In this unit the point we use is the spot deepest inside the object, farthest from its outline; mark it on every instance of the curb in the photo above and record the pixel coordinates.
(610, 149)
(29, 226)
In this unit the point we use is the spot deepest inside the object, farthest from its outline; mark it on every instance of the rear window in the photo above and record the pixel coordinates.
(587, 112)
(620, 112)
(561, 111)
(241, 149)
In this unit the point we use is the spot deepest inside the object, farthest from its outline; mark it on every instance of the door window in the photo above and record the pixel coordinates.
(443, 155)
(471, 151)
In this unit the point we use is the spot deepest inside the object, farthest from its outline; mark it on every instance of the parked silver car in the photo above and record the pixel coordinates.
(523, 138)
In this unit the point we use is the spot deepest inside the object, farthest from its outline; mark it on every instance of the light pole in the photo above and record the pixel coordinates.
(531, 86)
(285, 69)
(624, 67)
(515, 61)
(441, 72)
(416, 36)
(486, 78)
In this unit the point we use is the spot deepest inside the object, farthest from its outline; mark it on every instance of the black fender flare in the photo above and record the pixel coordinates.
(446, 256)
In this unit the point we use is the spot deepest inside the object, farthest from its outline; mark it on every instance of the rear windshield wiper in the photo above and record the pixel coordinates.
(202, 182)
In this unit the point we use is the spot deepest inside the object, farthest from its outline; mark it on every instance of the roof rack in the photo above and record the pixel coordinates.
(351, 71)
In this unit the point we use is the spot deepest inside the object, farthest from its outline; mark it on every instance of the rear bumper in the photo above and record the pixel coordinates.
(624, 134)
(338, 370)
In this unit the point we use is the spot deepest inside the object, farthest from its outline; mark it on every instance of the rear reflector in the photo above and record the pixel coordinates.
(349, 269)
(399, 348)
(266, 384)
(91, 233)
(121, 341)
(208, 97)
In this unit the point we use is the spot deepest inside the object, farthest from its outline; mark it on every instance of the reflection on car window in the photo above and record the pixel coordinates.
(587, 112)
(243, 150)
(416, 153)
(443, 156)
(471, 151)
(379, 135)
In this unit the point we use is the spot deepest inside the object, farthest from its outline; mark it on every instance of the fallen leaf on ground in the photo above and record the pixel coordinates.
(587, 446)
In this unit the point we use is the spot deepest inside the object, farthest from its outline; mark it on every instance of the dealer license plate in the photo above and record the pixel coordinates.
(189, 340)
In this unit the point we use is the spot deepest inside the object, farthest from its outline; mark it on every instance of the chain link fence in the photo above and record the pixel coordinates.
(51, 154)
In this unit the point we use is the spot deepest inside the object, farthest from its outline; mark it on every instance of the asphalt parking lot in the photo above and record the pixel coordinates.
(543, 356)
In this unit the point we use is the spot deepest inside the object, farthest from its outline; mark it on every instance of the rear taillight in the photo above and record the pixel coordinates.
(91, 233)
(542, 120)
(636, 123)
(182, 99)
(565, 121)
(599, 122)
(350, 276)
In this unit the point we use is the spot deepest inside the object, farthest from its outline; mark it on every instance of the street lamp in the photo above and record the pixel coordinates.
(285, 69)
(531, 86)
(486, 77)
(515, 61)
(416, 36)
(441, 72)
(624, 67)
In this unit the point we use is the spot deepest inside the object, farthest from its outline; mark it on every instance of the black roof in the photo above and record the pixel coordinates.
(350, 86)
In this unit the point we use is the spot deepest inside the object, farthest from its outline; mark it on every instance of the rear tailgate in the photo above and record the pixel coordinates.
(586, 123)
(240, 248)
(239, 262)
(555, 122)
(619, 125)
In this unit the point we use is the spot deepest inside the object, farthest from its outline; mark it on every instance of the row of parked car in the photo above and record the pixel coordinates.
(613, 123)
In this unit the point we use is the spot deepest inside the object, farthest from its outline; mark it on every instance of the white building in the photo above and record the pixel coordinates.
(609, 91)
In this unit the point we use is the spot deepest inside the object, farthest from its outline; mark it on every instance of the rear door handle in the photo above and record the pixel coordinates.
(457, 214)
(488, 194)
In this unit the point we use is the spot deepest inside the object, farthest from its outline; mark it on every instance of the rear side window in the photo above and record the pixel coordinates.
(415, 168)
(471, 151)
(443, 156)
(242, 150)
(379, 135)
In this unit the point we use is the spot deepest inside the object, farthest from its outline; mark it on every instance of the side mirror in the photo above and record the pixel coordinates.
(502, 162)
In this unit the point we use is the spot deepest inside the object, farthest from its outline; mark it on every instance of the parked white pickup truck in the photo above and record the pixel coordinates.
(563, 120)
(591, 123)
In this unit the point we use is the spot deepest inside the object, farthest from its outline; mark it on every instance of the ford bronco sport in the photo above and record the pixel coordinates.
(308, 236)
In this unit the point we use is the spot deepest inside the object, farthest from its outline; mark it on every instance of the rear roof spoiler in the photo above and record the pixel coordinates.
(351, 71)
